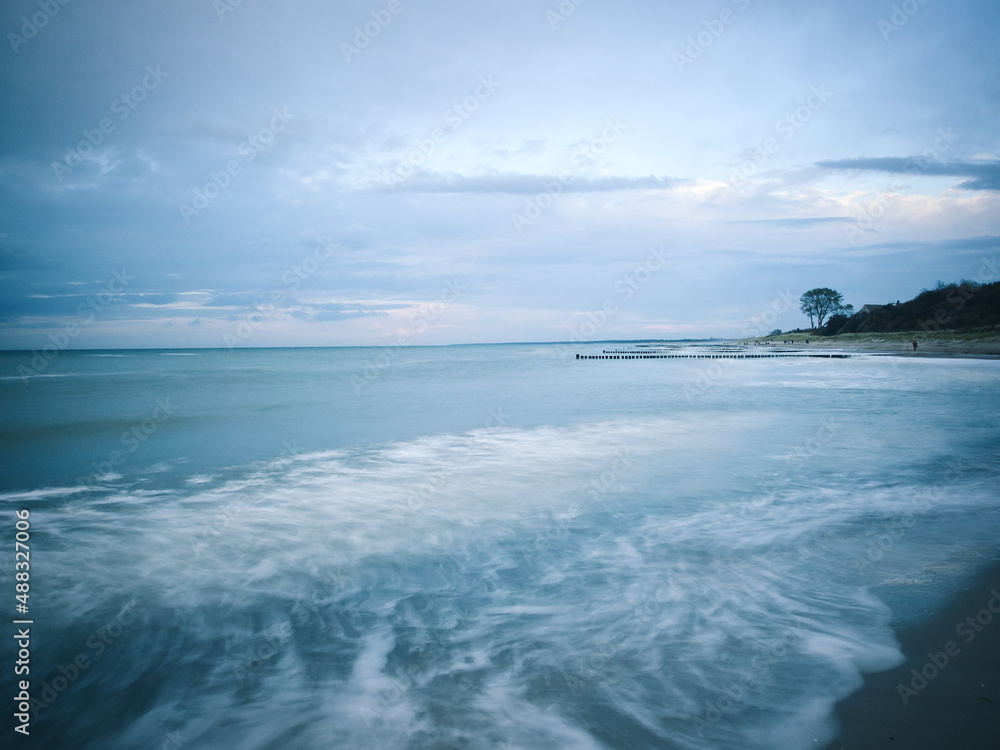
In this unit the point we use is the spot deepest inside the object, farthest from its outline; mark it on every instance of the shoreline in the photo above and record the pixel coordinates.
(940, 343)
(875, 350)
(984, 348)
(955, 702)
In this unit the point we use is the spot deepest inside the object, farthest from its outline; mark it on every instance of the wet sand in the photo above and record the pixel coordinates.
(952, 706)
(898, 344)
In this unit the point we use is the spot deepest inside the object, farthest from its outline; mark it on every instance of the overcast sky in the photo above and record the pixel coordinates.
(260, 173)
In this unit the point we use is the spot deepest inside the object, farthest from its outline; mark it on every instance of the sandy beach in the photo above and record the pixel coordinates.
(936, 344)
(946, 693)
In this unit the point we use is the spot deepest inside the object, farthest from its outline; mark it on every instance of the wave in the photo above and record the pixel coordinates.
(593, 586)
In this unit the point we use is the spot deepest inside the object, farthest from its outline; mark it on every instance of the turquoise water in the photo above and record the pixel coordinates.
(482, 546)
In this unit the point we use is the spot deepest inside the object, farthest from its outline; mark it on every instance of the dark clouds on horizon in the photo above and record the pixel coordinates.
(228, 159)
(982, 175)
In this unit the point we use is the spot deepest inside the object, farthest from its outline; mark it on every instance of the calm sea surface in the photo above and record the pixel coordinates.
(480, 546)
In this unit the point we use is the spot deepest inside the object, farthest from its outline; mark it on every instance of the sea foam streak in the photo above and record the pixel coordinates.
(559, 587)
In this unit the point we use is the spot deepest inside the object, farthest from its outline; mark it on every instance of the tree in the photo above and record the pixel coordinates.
(818, 303)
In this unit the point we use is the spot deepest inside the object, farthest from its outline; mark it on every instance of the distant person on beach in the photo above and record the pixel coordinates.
(914, 345)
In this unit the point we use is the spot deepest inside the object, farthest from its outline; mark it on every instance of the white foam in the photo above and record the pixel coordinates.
(652, 598)
(43, 492)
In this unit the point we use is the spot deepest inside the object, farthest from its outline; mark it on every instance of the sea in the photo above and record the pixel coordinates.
(483, 546)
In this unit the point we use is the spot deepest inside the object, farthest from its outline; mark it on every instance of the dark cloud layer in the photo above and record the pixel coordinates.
(982, 175)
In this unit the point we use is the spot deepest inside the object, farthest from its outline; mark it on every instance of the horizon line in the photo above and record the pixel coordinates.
(381, 346)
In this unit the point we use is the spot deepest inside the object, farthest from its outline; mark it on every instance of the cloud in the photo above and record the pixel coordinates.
(983, 175)
(358, 122)
(316, 313)
(970, 246)
(151, 299)
(16, 306)
(793, 223)
(241, 299)
(528, 184)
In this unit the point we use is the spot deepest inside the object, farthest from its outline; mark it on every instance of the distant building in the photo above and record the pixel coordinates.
(870, 308)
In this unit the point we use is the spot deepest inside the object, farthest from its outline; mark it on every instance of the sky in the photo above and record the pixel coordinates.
(242, 173)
